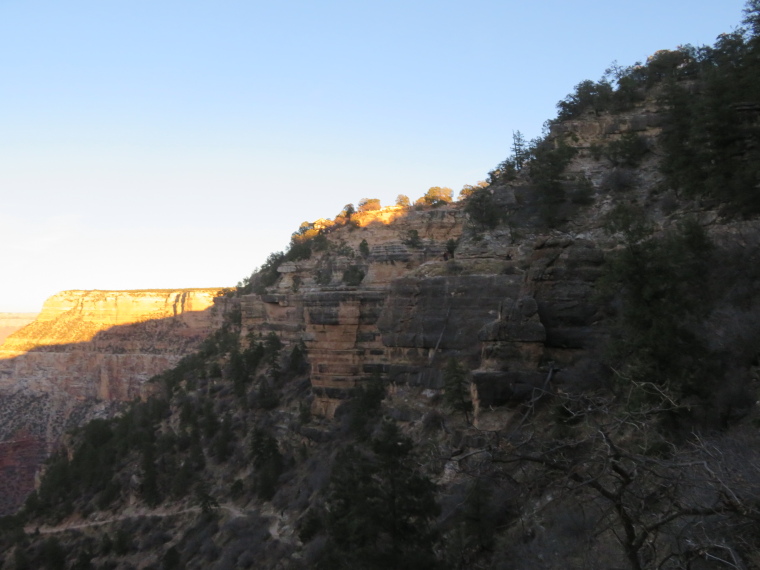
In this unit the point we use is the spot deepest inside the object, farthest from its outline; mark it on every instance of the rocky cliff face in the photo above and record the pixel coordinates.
(505, 306)
(105, 344)
(85, 352)
(341, 323)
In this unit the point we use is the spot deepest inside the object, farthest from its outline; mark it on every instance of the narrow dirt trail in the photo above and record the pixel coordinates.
(233, 510)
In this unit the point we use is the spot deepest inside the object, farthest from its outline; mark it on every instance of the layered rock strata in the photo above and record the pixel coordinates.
(339, 322)
(86, 352)
(105, 344)
(511, 310)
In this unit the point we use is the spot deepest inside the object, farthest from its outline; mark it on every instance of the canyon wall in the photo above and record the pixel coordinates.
(106, 344)
(510, 309)
(86, 352)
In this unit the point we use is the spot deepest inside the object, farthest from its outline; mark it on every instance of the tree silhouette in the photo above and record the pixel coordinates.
(380, 508)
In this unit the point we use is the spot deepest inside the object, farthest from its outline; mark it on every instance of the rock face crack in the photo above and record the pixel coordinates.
(443, 330)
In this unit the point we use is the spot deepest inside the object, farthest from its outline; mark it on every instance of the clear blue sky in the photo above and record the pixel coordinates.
(169, 143)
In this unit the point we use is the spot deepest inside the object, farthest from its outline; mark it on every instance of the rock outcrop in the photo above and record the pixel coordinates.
(512, 310)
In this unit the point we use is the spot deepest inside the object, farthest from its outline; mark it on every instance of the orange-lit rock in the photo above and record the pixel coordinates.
(77, 316)
(383, 216)
(106, 344)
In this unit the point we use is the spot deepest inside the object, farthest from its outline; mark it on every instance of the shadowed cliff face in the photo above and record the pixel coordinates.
(20, 457)
(504, 306)
(86, 352)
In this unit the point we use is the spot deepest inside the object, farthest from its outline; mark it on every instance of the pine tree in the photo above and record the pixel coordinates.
(272, 347)
(204, 499)
(520, 150)
(380, 508)
(364, 248)
(268, 462)
(223, 443)
(238, 373)
(456, 388)
(365, 407)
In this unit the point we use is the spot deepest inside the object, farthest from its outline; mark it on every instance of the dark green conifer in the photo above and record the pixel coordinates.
(456, 391)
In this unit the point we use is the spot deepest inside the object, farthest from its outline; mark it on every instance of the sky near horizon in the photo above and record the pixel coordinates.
(166, 143)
